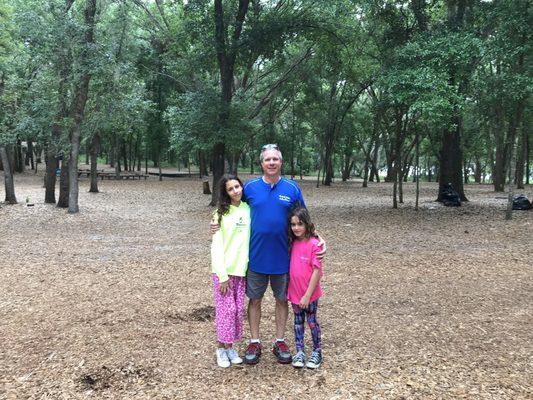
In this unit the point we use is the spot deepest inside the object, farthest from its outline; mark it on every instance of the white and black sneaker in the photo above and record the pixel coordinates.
(298, 361)
(315, 360)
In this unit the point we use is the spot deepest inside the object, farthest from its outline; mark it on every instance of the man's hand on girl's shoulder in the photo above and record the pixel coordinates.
(214, 227)
(322, 244)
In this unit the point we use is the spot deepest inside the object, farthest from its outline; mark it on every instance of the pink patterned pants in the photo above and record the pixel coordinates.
(229, 309)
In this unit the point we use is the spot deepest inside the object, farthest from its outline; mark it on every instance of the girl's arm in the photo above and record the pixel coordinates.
(313, 282)
(217, 262)
(217, 258)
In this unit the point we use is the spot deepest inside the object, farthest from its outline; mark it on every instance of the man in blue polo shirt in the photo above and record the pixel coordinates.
(270, 198)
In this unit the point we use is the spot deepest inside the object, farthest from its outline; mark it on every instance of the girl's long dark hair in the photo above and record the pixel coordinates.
(303, 215)
(224, 201)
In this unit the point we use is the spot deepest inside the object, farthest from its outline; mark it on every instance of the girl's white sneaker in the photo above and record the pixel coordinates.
(315, 360)
(298, 361)
(222, 358)
(233, 356)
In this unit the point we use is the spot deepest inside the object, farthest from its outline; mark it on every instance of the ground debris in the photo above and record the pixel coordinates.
(116, 302)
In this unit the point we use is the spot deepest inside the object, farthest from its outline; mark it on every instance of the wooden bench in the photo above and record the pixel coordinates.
(87, 172)
(123, 175)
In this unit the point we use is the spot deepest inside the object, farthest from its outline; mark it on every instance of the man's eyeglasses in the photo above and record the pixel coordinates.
(269, 147)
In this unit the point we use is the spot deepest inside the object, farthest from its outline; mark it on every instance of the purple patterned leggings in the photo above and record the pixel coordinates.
(229, 309)
(300, 315)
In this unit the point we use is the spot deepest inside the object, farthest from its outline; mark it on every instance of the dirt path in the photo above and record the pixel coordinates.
(115, 302)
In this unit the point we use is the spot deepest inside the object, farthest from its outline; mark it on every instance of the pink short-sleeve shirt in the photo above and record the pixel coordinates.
(303, 261)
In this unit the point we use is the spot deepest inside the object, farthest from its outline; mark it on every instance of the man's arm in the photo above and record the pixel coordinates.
(322, 244)
(214, 227)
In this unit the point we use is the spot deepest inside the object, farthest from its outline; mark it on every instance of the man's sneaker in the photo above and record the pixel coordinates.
(222, 358)
(282, 352)
(233, 356)
(298, 361)
(315, 360)
(253, 352)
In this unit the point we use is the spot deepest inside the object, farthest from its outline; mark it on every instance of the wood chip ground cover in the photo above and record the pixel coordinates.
(116, 302)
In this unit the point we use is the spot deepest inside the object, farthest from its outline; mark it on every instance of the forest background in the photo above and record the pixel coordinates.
(116, 300)
(438, 89)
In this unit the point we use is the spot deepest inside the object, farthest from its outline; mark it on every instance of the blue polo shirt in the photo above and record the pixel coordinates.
(270, 206)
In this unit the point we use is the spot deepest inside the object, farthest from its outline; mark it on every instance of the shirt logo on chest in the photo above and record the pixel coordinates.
(284, 198)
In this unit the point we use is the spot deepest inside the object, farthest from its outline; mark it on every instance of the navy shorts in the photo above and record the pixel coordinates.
(257, 283)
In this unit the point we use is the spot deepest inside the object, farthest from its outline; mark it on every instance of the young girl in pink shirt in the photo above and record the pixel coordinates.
(304, 285)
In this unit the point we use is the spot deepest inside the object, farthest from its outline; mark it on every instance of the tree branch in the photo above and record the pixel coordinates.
(267, 97)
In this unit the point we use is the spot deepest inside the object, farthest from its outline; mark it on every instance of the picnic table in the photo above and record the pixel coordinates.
(112, 175)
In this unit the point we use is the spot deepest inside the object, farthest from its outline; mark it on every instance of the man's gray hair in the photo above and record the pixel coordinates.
(270, 147)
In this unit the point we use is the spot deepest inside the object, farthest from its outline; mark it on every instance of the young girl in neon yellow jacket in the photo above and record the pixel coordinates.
(229, 262)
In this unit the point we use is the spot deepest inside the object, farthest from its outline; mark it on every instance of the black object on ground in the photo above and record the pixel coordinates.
(521, 202)
(450, 198)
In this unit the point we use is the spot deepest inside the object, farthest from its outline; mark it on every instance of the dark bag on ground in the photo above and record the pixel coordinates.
(450, 198)
(521, 202)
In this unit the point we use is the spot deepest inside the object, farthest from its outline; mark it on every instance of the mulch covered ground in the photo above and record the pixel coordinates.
(116, 303)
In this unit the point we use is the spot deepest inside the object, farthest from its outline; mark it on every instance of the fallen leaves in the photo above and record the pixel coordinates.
(116, 302)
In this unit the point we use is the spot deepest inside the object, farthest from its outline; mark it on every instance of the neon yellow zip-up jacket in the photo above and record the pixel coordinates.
(230, 245)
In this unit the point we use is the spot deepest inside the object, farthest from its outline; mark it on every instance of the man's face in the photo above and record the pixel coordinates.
(271, 163)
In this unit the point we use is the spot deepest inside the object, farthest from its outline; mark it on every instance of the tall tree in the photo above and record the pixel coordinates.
(226, 50)
(78, 106)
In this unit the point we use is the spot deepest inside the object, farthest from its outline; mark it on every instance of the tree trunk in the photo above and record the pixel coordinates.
(478, 170)
(510, 179)
(130, 154)
(521, 158)
(117, 164)
(498, 171)
(390, 169)
(202, 165)
(374, 173)
(159, 166)
(429, 168)
(94, 150)
(73, 170)
(329, 134)
(135, 156)
(87, 153)
(252, 161)
(365, 172)
(38, 152)
(50, 177)
(30, 153)
(451, 160)
(205, 185)
(124, 154)
(112, 153)
(218, 169)
(62, 202)
(400, 184)
(347, 166)
(399, 137)
(528, 152)
(328, 156)
(9, 183)
(27, 155)
(417, 169)
(19, 159)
